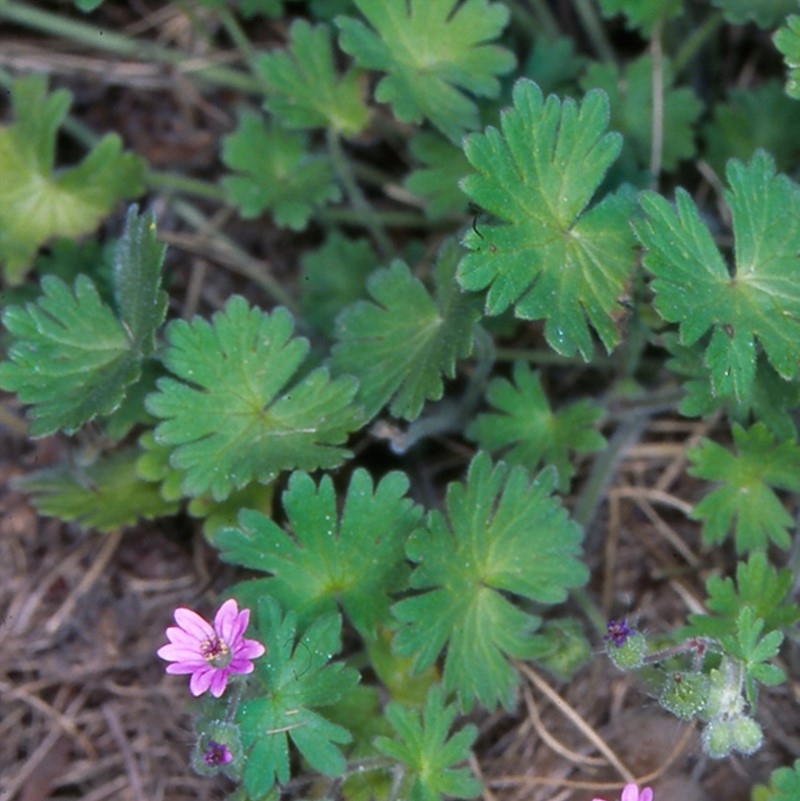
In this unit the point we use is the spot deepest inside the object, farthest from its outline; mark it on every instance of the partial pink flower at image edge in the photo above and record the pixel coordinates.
(631, 792)
(211, 653)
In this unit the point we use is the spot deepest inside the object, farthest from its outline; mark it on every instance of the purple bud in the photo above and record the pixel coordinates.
(618, 632)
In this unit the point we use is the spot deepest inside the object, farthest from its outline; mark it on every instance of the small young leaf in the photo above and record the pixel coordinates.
(784, 784)
(502, 536)
(765, 13)
(306, 92)
(231, 418)
(38, 204)
(758, 586)
(630, 97)
(106, 495)
(746, 497)
(554, 65)
(643, 14)
(758, 301)
(554, 259)
(72, 357)
(772, 401)
(400, 344)
(444, 165)
(421, 743)
(355, 560)
(433, 51)
(335, 276)
(275, 172)
(757, 117)
(787, 40)
(752, 651)
(296, 679)
(526, 431)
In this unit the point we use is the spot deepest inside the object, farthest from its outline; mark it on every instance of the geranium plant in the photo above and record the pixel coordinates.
(537, 208)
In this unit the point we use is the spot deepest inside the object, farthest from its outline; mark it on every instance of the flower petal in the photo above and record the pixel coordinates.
(201, 680)
(193, 624)
(630, 793)
(219, 680)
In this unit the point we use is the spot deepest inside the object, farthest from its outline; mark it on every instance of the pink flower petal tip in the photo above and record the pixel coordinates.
(210, 653)
(631, 792)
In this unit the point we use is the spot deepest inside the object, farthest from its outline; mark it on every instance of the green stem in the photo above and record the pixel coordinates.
(696, 41)
(173, 182)
(111, 42)
(365, 212)
(595, 30)
(243, 45)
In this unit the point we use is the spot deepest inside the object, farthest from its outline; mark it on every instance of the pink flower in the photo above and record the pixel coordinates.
(631, 793)
(211, 653)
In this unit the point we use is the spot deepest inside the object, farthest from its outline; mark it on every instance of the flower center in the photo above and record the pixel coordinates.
(216, 651)
(216, 754)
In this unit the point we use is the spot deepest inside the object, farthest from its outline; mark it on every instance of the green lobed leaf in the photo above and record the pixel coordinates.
(106, 495)
(554, 65)
(443, 166)
(630, 97)
(72, 357)
(784, 785)
(746, 498)
(401, 343)
(275, 171)
(753, 651)
(758, 586)
(787, 40)
(296, 678)
(334, 276)
(765, 13)
(771, 402)
(643, 14)
(553, 258)
(525, 431)
(502, 536)
(305, 89)
(757, 117)
(434, 52)
(421, 743)
(231, 414)
(38, 203)
(758, 301)
(355, 558)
